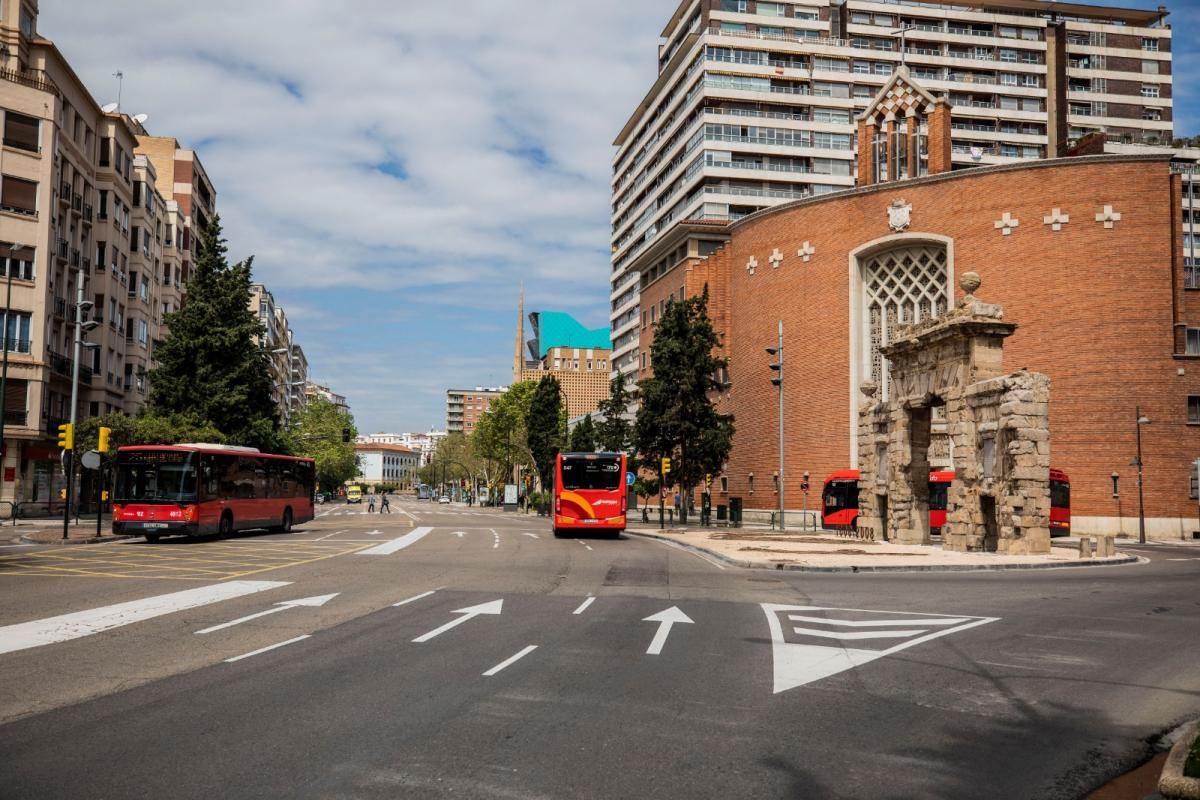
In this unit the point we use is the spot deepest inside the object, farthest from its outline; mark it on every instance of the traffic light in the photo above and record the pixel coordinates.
(708, 480)
(66, 436)
(666, 465)
(345, 434)
(776, 366)
(102, 439)
(104, 495)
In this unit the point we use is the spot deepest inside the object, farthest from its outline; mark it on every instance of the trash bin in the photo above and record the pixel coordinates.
(722, 515)
(735, 512)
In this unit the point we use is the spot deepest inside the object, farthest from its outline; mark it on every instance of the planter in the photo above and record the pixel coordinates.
(1173, 785)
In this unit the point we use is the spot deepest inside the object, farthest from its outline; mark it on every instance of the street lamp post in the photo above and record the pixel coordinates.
(778, 381)
(12, 250)
(81, 326)
(1141, 420)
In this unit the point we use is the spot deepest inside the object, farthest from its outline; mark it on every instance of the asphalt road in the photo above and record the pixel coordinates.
(452, 652)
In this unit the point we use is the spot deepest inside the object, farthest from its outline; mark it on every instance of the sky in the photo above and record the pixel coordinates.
(400, 169)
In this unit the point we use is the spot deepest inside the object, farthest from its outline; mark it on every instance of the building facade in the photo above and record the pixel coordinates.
(387, 464)
(1085, 253)
(425, 444)
(578, 357)
(288, 366)
(464, 407)
(754, 106)
(316, 391)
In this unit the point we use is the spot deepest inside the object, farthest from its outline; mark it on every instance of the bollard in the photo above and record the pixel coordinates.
(1086, 547)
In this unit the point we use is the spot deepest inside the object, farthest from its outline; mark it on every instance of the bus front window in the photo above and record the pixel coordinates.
(140, 481)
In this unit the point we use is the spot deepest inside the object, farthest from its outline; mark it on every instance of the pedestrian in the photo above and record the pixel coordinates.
(370, 503)
(383, 504)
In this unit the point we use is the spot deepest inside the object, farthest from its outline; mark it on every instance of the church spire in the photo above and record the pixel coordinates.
(518, 359)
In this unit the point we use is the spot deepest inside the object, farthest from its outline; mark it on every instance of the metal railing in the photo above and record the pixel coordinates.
(32, 80)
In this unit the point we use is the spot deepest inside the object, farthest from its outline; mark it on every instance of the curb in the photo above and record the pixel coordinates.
(736, 562)
(1172, 783)
(28, 539)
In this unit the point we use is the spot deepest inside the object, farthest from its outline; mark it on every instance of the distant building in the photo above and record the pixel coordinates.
(387, 463)
(464, 407)
(317, 391)
(577, 356)
(288, 366)
(423, 443)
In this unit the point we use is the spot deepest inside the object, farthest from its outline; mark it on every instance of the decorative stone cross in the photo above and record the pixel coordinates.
(1006, 223)
(752, 265)
(1108, 216)
(1056, 219)
(776, 258)
(806, 251)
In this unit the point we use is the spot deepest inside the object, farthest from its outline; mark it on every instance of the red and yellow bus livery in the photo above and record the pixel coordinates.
(198, 489)
(589, 492)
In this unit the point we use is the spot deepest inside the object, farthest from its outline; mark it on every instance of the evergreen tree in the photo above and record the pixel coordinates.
(677, 418)
(583, 438)
(543, 429)
(613, 433)
(210, 365)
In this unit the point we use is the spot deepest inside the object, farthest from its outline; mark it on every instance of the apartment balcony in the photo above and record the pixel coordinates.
(87, 213)
(62, 249)
(24, 346)
(87, 265)
(64, 366)
(64, 193)
(32, 79)
(76, 258)
(77, 204)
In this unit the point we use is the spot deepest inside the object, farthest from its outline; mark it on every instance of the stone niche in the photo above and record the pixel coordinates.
(999, 430)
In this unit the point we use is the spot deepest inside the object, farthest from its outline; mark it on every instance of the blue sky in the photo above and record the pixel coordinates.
(399, 170)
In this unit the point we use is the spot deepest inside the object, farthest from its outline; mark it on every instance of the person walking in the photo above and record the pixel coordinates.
(383, 503)
(370, 503)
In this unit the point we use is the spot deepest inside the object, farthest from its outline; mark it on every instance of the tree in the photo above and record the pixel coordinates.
(144, 429)
(211, 366)
(317, 430)
(545, 428)
(499, 439)
(583, 438)
(677, 418)
(613, 434)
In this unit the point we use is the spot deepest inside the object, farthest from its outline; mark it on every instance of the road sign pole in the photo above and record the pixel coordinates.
(99, 489)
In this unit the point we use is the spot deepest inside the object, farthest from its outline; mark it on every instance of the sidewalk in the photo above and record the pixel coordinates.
(47, 530)
(825, 551)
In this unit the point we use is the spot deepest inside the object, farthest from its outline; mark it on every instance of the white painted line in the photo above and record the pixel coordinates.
(588, 546)
(310, 602)
(846, 635)
(494, 607)
(459, 534)
(584, 605)
(877, 623)
(414, 598)
(267, 648)
(665, 620)
(323, 538)
(695, 553)
(387, 548)
(511, 660)
(1182, 559)
(496, 538)
(84, 623)
(531, 535)
(375, 533)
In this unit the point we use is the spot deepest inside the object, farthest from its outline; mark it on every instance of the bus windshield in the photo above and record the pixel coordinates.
(162, 476)
(591, 473)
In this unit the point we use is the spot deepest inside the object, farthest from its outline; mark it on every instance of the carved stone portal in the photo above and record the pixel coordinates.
(999, 425)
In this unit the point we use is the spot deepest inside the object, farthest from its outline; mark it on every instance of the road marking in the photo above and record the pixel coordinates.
(511, 660)
(414, 598)
(374, 533)
(1182, 559)
(267, 648)
(695, 553)
(495, 537)
(84, 623)
(531, 535)
(797, 662)
(335, 533)
(387, 548)
(459, 534)
(665, 620)
(584, 605)
(311, 602)
(470, 612)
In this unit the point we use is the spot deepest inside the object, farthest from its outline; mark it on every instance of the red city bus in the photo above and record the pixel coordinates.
(839, 501)
(589, 492)
(198, 489)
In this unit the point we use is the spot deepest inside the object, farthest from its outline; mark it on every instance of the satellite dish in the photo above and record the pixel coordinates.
(141, 118)
(108, 109)
(977, 153)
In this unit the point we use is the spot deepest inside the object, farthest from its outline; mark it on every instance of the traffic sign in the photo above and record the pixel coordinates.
(90, 460)
(629, 479)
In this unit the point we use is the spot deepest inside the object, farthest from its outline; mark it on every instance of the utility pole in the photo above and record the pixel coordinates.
(778, 381)
(80, 326)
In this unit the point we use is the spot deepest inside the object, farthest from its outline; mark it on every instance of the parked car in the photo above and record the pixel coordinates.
(444, 500)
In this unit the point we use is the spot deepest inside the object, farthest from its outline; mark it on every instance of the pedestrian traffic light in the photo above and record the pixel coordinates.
(104, 495)
(66, 436)
(776, 366)
(666, 466)
(102, 439)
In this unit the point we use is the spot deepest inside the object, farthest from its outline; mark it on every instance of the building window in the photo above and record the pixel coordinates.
(22, 132)
(15, 325)
(1193, 410)
(19, 196)
(1149, 90)
(19, 264)
(1192, 346)
(1149, 67)
(1150, 44)
(1191, 272)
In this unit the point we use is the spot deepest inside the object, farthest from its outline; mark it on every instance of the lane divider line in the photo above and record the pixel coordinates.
(511, 660)
(414, 598)
(268, 647)
(584, 605)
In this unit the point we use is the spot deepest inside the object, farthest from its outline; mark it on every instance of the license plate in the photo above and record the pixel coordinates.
(154, 524)
(590, 521)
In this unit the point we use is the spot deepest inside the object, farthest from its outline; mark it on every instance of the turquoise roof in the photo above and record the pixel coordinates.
(558, 329)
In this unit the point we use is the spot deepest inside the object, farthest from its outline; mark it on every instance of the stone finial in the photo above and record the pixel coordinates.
(868, 388)
(969, 283)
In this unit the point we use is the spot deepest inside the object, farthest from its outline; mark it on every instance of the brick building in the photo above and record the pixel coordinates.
(1085, 253)
(577, 356)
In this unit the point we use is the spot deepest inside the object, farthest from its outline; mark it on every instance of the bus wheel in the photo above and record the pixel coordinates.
(151, 538)
(558, 533)
(225, 529)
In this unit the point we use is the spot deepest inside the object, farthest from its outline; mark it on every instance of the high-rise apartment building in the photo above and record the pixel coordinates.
(755, 104)
(464, 407)
(288, 366)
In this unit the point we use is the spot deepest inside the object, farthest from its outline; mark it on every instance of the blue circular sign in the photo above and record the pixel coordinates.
(629, 479)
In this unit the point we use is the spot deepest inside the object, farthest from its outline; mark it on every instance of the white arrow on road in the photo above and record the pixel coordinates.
(467, 613)
(311, 602)
(665, 620)
(459, 534)
(374, 533)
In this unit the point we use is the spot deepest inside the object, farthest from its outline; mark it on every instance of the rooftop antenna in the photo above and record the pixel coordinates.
(120, 76)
